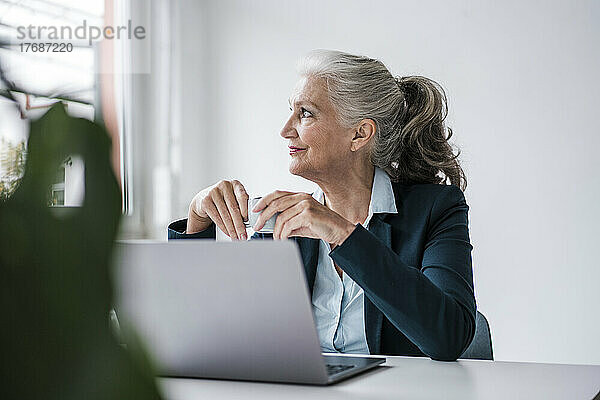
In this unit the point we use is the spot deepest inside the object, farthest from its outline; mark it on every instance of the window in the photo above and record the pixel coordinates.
(106, 80)
(37, 79)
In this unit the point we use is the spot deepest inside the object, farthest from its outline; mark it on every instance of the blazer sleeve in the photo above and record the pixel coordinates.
(432, 304)
(176, 230)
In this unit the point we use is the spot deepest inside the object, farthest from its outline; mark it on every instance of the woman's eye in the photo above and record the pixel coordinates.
(304, 113)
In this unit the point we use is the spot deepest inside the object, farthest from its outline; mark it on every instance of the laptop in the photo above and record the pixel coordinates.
(225, 310)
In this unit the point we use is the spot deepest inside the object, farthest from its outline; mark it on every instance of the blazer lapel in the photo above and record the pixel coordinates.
(309, 249)
(374, 317)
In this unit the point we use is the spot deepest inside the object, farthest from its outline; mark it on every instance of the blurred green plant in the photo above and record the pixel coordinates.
(55, 286)
(12, 166)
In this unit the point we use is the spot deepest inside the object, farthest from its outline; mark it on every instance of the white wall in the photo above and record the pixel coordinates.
(523, 89)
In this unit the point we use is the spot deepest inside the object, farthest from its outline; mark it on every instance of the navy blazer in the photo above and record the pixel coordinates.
(414, 267)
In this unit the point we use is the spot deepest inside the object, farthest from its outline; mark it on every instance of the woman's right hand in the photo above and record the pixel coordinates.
(226, 204)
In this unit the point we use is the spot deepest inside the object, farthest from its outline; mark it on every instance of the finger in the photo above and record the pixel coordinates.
(295, 224)
(242, 198)
(264, 201)
(234, 210)
(224, 213)
(277, 205)
(283, 218)
(213, 214)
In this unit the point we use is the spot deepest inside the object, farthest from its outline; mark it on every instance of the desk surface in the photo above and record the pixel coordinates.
(415, 378)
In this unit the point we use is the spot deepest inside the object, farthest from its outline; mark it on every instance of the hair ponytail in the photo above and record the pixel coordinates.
(422, 152)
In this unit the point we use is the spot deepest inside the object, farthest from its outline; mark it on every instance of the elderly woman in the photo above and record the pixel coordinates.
(384, 241)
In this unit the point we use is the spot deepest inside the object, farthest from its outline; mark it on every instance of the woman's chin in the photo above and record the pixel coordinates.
(295, 168)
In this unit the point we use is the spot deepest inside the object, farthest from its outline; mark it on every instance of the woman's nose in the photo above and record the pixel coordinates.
(288, 130)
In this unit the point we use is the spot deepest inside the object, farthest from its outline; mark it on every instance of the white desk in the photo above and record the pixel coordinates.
(415, 378)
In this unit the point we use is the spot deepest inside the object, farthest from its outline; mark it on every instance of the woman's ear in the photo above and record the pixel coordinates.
(364, 132)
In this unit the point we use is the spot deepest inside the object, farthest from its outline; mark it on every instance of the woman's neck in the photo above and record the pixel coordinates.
(349, 193)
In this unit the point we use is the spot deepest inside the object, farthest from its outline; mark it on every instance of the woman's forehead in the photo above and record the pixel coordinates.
(310, 90)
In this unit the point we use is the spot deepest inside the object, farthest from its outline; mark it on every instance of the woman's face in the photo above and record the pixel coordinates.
(319, 146)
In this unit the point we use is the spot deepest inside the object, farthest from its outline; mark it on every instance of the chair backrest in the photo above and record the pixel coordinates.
(481, 346)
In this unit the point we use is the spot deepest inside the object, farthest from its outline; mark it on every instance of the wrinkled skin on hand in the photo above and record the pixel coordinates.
(55, 285)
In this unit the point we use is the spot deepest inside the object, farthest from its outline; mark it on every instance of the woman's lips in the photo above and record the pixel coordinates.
(294, 150)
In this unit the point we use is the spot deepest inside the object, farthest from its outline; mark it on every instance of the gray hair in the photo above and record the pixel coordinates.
(410, 141)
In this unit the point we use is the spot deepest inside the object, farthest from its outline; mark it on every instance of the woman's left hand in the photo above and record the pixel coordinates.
(302, 215)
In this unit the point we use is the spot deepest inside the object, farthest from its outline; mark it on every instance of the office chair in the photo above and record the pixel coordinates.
(481, 346)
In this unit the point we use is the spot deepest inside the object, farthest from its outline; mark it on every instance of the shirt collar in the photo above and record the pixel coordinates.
(382, 194)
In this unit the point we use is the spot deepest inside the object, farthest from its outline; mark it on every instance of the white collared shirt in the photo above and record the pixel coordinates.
(338, 304)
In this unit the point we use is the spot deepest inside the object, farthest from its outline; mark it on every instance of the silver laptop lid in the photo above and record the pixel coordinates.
(236, 310)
